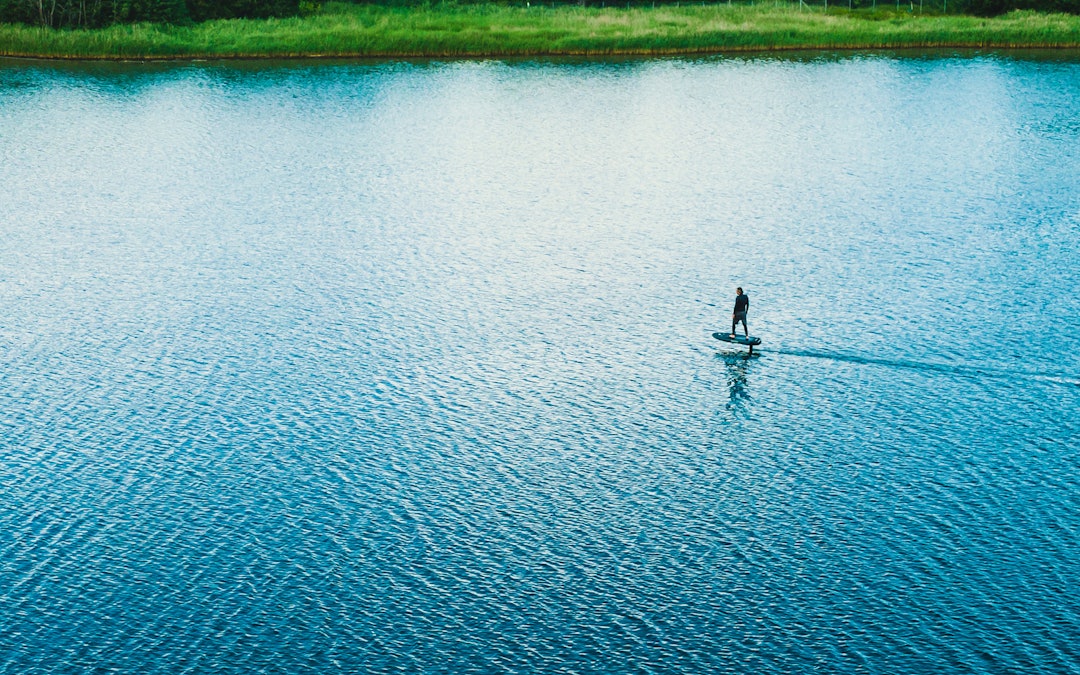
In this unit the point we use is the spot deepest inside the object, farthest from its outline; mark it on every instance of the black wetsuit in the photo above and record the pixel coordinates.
(742, 305)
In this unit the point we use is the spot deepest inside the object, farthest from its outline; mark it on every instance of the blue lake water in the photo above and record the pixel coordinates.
(407, 367)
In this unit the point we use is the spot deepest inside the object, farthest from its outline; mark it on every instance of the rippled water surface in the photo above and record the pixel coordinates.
(372, 368)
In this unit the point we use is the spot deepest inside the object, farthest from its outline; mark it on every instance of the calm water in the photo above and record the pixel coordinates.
(377, 368)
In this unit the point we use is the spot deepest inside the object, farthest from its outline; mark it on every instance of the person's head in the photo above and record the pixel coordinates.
(738, 291)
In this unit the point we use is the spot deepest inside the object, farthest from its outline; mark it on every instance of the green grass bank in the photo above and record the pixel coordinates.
(484, 30)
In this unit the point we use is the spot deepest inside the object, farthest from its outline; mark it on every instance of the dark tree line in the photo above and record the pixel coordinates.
(996, 7)
(95, 13)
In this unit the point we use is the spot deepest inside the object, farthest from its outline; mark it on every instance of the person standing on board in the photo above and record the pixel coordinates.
(742, 305)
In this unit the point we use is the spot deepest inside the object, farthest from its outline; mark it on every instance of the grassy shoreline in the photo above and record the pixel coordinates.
(490, 30)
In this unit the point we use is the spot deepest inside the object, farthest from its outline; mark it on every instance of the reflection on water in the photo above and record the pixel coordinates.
(405, 367)
(737, 365)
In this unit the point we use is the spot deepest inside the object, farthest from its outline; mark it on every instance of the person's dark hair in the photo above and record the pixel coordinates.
(739, 289)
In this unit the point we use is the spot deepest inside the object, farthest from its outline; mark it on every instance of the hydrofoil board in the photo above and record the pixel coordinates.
(738, 339)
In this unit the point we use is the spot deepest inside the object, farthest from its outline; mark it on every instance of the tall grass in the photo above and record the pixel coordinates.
(441, 30)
